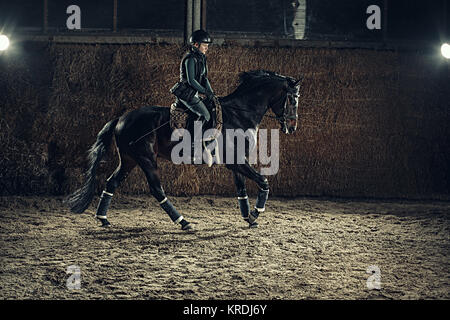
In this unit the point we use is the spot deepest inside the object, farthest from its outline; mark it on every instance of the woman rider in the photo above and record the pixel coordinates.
(193, 76)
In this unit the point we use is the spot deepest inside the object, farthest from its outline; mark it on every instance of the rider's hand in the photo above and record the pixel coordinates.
(210, 95)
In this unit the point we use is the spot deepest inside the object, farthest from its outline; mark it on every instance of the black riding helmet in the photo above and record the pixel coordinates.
(200, 36)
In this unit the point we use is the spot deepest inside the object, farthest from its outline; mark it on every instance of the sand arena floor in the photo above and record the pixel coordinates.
(304, 248)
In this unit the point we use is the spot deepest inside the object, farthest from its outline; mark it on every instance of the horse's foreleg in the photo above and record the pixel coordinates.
(121, 172)
(261, 200)
(157, 191)
(247, 171)
(244, 205)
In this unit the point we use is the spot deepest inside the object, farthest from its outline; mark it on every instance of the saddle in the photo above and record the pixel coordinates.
(181, 117)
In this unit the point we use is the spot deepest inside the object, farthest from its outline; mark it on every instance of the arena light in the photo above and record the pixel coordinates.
(4, 42)
(445, 50)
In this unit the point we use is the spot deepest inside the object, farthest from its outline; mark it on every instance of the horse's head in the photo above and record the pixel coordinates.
(286, 105)
(262, 89)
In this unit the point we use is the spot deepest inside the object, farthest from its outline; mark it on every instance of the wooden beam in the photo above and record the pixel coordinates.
(115, 16)
(188, 21)
(385, 20)
(45, 16)
(445, 26)
(204, 14)
(197, 15)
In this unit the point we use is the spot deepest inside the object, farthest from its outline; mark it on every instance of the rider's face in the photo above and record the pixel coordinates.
(202, 47)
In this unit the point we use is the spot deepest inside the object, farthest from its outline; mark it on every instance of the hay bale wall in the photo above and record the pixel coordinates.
(372, 124)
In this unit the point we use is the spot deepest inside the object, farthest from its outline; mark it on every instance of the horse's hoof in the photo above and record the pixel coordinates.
(253, 225)
(252, 216)
(105, 223)
(186, 226)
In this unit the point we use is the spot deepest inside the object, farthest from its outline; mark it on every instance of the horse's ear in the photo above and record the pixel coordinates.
(297, 82)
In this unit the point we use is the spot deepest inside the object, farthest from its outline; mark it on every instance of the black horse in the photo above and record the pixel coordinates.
(144, 134)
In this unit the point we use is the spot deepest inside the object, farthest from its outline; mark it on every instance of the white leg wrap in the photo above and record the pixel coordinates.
(260, 209)
(179, 219)
(242, 198)
(107, 193)
(100, 217)
(164, 200)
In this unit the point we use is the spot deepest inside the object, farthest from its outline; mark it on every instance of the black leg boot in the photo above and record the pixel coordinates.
(244, 206)
(260, 205)
(174, 215)
(102, 208)
(197, 157)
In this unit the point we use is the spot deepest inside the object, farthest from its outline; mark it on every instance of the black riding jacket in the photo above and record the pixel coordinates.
(194, 71)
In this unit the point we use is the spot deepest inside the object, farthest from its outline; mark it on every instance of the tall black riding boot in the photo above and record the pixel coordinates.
(197, 158)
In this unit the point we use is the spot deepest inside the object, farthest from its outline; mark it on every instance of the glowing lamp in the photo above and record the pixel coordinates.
(4, 42)
(445, 50)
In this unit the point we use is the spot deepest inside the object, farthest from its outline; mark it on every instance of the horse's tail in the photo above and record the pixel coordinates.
(79, 200)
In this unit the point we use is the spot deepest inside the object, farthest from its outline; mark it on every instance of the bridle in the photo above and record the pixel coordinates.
(282, 119)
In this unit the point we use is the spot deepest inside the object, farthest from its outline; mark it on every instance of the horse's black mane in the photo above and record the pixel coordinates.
(249, 80)
(261, 75)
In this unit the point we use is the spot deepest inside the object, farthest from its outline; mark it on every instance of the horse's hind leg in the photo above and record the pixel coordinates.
(124, 168)
(148, 165)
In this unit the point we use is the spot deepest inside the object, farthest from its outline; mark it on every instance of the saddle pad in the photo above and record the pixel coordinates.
(178, 117)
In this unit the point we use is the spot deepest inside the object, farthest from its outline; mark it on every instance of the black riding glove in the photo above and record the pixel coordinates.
(210, 95)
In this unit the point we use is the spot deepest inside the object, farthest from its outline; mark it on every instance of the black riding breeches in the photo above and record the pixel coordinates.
(198, 107)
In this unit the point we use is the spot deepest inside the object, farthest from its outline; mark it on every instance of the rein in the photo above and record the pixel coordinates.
(265, 115)
(279, 118)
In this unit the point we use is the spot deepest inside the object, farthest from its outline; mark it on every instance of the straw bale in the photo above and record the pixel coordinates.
(371, 123)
